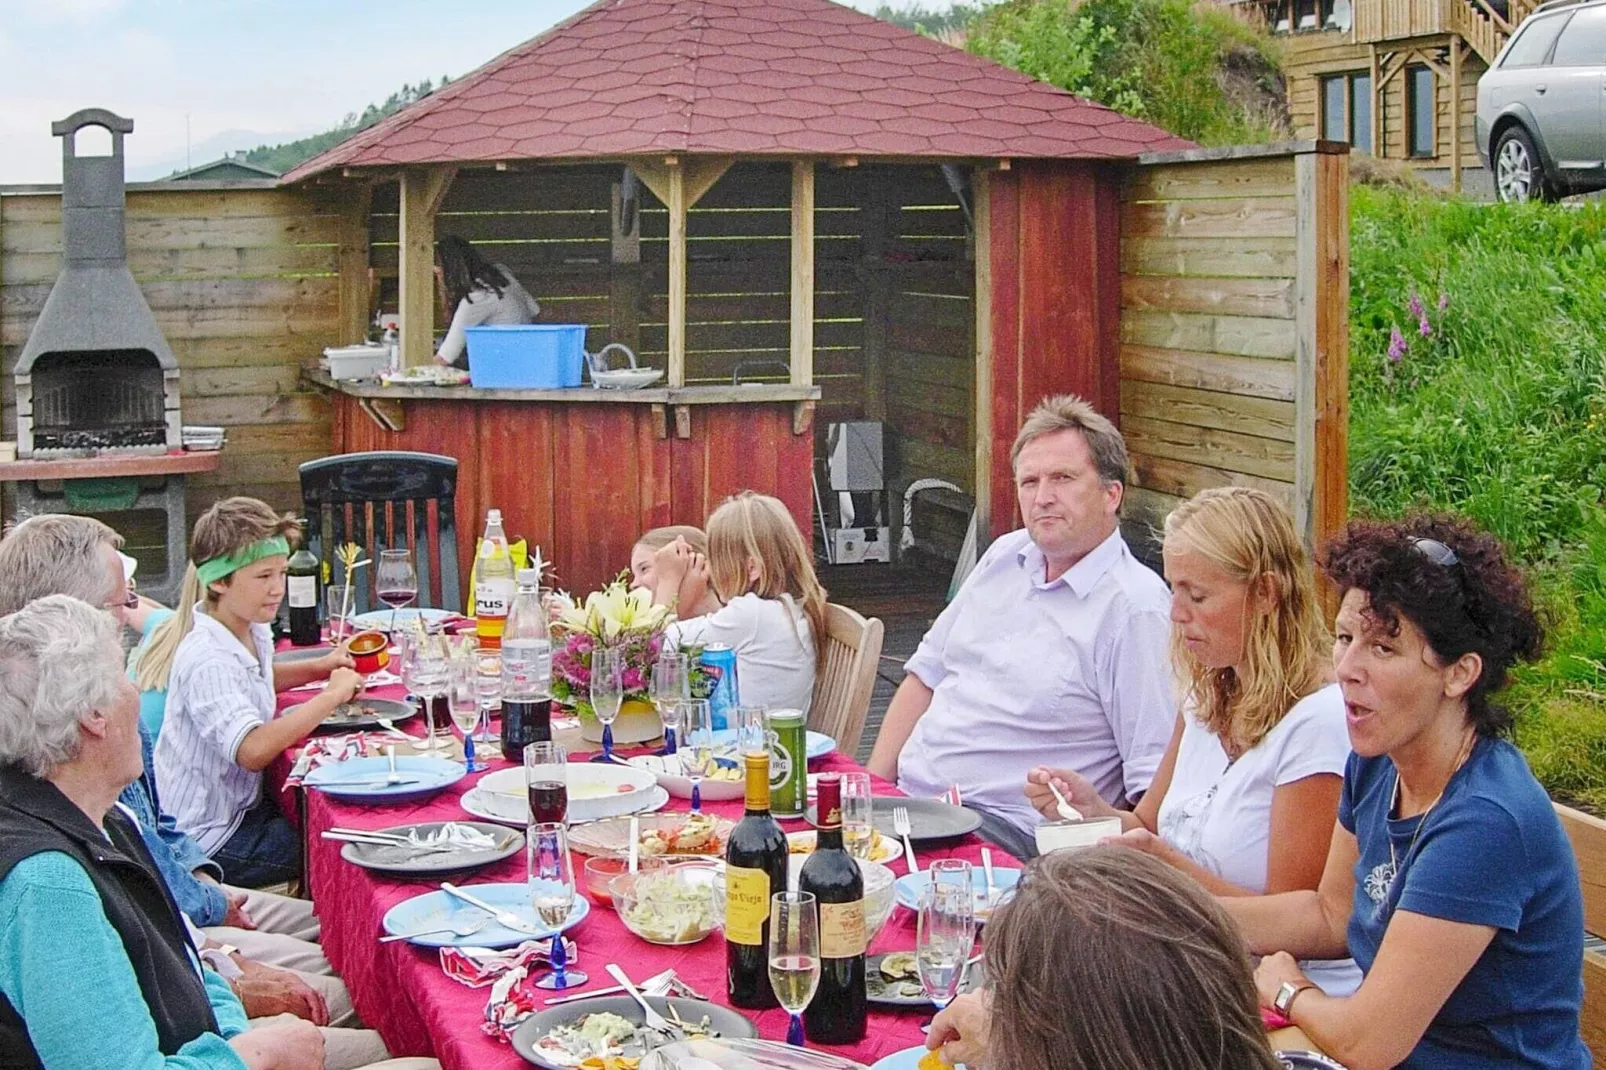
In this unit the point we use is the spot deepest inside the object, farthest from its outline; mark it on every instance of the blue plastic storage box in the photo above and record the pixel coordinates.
(535, 356)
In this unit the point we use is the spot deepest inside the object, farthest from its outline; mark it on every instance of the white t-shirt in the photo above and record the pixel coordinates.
(774, 645)
(1219, 814)
(483, 308)
(217, 693)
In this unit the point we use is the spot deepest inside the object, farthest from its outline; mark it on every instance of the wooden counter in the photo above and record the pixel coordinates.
(584, 472)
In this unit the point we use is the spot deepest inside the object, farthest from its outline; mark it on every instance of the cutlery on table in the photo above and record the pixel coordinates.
(659, 984)
(390, 756)
(1066, 810)
(377, 782)
(635, 841)
(505, 918)
(987, 869)
(459, 930)
(901, 826)
(390, 726)
(655, 1021)
(375, 841)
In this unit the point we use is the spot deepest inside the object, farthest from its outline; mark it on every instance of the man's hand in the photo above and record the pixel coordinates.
(266, 991)
(237, 916)
(280, 1046)
(959, 1032)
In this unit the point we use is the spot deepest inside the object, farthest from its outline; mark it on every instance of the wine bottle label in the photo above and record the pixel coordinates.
(747, 905)
(303, 591)
(491, 598)
(842, 930)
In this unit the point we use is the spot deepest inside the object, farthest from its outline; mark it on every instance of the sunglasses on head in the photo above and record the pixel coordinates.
(1436, 552)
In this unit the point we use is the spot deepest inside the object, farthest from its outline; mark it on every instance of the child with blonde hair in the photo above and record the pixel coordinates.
(696, 597)
(215, 658)
(774, 607)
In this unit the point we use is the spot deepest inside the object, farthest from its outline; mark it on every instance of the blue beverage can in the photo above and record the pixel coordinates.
(719, 662)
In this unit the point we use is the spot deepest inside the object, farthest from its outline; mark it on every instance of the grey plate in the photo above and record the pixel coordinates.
(407, 862)
(726, 1022)
(928, 819)
(304, 653)
(372, 710)
(885, 993)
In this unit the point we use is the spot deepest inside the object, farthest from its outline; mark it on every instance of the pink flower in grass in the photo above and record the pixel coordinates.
(1415, 305)
(1397, 345)
(1424, 327)
(1444, 302)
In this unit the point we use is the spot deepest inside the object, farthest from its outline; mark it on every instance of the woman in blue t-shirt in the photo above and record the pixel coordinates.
(1449, 878)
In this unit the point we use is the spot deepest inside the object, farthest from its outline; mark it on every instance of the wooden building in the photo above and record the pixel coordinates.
(851, 220)
(1394, 78)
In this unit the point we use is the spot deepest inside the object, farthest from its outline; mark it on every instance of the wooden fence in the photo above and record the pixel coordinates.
(241, 278)
(1234, 304)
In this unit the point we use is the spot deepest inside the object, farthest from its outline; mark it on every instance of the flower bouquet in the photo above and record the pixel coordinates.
(617, 617)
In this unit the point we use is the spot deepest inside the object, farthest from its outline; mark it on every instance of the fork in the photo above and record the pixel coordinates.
(901, 826)
(655, 1021)
(460, 930)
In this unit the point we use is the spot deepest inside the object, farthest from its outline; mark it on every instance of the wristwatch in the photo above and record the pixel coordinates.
(1286, 994)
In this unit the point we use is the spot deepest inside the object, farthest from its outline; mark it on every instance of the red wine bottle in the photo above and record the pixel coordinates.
(755, 869)
(301, 585)
(836, 1014)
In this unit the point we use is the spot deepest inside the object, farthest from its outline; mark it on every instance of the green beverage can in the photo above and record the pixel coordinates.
(789, 765)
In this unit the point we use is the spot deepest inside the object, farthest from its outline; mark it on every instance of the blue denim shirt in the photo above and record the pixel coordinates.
(177, 856)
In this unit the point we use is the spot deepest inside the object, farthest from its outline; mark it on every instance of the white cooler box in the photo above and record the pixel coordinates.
(357, 362)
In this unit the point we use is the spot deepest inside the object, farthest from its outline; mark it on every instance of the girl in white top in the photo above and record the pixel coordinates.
(481, 293)
(1247, 793)
(215, 657)
(774, 606)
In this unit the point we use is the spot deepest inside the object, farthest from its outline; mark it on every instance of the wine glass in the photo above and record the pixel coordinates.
(426, 672)
(552, 894)
(671, 683)
(946, 931)
(396, 581)
(488, 687)
(546, 778)
(858, 832)
(607, 692)
(794, 955)
(463, 699)
(696, 745)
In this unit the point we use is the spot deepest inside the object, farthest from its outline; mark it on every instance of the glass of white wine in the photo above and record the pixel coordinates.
(946, 932)
(696, 746)
(552, 895)
(607, 693)
(858, 831)
(794, 955)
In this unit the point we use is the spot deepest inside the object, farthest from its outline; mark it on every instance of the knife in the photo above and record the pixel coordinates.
(505, 918)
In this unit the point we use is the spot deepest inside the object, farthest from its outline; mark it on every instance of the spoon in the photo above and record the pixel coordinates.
(390, 754)
(460, 930)
(390, 726)
(1066, 810)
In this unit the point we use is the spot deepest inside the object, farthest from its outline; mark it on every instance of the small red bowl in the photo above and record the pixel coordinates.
(369, 650)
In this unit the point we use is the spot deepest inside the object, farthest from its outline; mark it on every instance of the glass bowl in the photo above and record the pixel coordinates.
(671, 905)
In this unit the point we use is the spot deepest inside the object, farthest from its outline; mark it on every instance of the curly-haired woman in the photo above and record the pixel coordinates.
(1450, 879)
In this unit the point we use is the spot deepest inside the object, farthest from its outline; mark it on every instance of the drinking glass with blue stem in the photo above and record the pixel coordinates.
(607, 693)
(552, 894)
(696, 746)
(671, 684)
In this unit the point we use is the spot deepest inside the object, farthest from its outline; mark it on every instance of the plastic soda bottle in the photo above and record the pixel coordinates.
(526, 670)
(493, 583)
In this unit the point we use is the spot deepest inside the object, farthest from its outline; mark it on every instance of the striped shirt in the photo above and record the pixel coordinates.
(217, 693)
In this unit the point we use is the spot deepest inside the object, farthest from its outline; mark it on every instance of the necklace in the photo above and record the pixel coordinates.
(1394, 802)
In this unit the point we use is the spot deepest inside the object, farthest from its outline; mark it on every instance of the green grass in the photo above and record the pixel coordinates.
(1497, 411)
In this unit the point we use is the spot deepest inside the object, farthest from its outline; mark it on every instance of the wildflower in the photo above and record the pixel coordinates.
(1444, 302)
(1415, 305)
(1397, 345)
(1424, 327)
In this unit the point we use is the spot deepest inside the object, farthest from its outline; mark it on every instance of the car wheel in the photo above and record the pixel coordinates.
(1518, 173)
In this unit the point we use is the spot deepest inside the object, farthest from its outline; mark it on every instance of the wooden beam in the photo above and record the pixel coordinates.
(1380, 142)
(875, 216)
(355, 308)
(676, 203)
(422, 191)
(624, 278)
(1321, 390)
(982, 418)
(702, 173)
(1455, 114)
(802, 272)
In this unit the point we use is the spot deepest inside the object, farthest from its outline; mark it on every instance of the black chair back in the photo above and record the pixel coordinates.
(382, 501)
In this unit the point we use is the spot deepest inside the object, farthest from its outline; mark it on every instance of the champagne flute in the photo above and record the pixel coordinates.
(463, 700)
(794, 955)
(946, 931)
(396, 581)
(546, 779)
(671, 683)
(487, 686)
(607, 692)
(697, 745)
(430, 673)
(858, 831)
(552, 894)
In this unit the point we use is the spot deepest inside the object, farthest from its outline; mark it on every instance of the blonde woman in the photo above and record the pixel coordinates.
(696, 595)
(774, 609)
(215, 657)
(1247, 792)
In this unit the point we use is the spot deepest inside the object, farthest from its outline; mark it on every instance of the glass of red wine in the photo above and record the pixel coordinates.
(546, 776)
(396, 581)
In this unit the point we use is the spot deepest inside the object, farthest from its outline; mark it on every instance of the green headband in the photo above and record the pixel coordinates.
(216, 568)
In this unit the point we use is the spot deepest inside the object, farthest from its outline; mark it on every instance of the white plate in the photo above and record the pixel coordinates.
(679, 785)
(595, 791)
(380, 618)
(626, 378)
(886, 848)
(478, 804)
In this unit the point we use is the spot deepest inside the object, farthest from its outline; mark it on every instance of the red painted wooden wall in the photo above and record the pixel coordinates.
(585, 480)
(1055, 251)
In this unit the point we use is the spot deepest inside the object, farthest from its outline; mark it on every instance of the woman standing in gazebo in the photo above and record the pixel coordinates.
(482, 293)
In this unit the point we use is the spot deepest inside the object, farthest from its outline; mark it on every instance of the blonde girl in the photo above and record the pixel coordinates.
(215, 658)
(1247, 793)
(696, 594)
(774, 606)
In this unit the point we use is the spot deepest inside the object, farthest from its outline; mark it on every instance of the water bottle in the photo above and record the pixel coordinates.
(493, 583)
(526, 670)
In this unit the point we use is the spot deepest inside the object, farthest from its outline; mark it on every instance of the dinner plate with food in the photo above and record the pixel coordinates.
(595, 791)
(366, 712)
(662, 835)
(882, 848)
(610, 1032)
(440, 919)
(724, 784)
(430, 848)
(913, 885)
(920, 1058)
(893, 980)
(380, 619)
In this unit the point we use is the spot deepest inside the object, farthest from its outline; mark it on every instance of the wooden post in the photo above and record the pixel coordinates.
(422, 191)
(802, 272)
(875, 214)
(1455, 113)
(676, 204)
(1321, 318)
(982, 415)
(353, 261)
(1380, 142)
(624, 278)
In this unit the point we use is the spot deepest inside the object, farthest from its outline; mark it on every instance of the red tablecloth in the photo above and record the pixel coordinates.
(400, 990)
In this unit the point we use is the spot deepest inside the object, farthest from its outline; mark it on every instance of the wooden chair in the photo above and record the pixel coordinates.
(845, 680)
(1588, 836)
(382, 500)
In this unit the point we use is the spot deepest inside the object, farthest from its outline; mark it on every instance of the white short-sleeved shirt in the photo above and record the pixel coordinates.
(1219, 814)
(774, 644)
(217, 693)
(1024, 671)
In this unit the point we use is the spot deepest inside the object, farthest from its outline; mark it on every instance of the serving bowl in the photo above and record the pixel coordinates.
(595, 791)
(669, 905)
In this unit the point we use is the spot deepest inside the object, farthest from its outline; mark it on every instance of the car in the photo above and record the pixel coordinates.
(1541, 119)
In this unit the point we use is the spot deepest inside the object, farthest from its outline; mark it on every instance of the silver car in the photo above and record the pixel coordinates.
(1541, 125)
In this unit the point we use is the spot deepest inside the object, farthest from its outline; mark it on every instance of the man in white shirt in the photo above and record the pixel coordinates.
(1055, 650)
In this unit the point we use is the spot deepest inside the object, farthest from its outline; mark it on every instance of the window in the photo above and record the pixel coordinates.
(1347, 109)
(1307, 14)
(1583, 42)
(1533, 42)
(1421, 104)
(1339, 15)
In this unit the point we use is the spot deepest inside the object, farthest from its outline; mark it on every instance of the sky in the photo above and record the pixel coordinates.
(201, 77)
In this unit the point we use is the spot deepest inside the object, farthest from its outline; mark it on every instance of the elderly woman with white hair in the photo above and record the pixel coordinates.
(79, 894)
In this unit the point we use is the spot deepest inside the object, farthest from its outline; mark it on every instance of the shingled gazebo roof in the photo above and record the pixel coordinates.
(740, 78)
